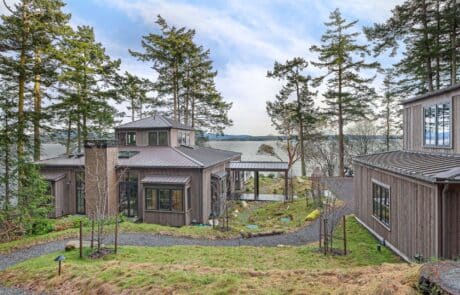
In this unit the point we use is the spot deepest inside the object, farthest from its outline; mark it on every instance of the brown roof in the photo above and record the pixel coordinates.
(52, 176)
(429, 167)
(153, 157)
(156, 121)
(259, 166)
(431, 94)
(165, 179)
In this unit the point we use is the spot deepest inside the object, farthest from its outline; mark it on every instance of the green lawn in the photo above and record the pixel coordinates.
(220, 270)
(268, 216)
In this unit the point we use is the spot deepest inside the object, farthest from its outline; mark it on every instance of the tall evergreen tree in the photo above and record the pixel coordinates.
(427, 32)
(88, 83)
(137, 91)
(298, 85)
(349, 95)
(391, 111)
(185, 77)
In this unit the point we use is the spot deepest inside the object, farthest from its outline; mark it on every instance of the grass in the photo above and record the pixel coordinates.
(222, 270)
(275, 185)
(266, 215)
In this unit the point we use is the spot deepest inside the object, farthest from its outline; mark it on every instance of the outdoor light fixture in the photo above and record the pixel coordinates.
(59, 259)
(379, 247)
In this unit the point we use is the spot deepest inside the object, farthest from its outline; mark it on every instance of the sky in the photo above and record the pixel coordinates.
(245, 38)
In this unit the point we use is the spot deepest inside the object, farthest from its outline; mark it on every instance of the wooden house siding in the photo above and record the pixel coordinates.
(413, 124)
(452, 222)
(414, 211)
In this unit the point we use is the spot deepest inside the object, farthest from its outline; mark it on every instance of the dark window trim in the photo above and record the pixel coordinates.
(158, 137)
(451, 133)
(170, 188)
(380, 218)
(127, 138)
(77, 189)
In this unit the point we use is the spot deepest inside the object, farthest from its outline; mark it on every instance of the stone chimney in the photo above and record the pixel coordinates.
(101, 188)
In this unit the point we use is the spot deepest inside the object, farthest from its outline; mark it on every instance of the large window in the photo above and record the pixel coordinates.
(381, 202)
(437, 120)
(131, 138)
(158, 138)
(164, 199)
(122, 138)
(80, 188)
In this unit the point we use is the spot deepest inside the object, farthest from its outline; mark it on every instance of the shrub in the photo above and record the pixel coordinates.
(271, 175)
(313, 215)
(71, 221)
(40, 226)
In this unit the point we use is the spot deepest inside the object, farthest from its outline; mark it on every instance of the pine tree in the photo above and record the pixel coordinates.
(88, 83)
(137, 91)
(47, 25)
(348, 96)
(167, 51)
(391, 111)
(185, 77)
(298, 84)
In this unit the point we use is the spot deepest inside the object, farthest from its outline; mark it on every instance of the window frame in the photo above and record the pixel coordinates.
(380, 218)
(170, 190)
(436, 106)
(128, 136)
(157, 132)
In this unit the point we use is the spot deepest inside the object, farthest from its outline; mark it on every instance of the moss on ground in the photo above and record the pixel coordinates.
(222, 270)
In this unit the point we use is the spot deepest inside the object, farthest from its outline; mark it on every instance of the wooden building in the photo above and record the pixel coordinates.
(152, 171)
(410, 199)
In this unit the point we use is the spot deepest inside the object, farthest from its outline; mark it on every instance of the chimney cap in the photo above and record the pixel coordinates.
(100, 143)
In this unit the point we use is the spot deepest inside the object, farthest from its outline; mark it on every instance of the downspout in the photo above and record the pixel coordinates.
(443, 220)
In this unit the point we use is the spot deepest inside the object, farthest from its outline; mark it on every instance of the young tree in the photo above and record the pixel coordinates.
(298, 85)
(349, 95)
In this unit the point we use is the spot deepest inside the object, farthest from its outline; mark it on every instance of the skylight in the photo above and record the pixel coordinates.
(126, 154)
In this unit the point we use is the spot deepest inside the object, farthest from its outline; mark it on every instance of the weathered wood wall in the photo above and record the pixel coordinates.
(414, 211)
(452, 226)
(414, 126)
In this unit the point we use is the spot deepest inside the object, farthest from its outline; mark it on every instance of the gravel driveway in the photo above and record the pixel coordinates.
(341, 187)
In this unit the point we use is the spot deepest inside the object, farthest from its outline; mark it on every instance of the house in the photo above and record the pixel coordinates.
(152, 171)
(410, 199)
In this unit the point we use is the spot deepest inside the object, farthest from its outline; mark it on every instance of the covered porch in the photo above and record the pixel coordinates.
(236, 168)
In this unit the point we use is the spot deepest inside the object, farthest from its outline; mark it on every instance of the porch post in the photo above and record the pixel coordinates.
(286, 185)
(256, 185)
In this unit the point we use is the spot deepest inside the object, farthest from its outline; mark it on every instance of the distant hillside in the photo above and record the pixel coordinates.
(241, 137)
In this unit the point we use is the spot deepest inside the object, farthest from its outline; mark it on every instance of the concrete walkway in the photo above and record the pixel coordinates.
(341, 187)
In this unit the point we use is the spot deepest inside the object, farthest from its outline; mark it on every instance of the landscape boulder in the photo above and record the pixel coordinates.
(440, 277)
(75, 244)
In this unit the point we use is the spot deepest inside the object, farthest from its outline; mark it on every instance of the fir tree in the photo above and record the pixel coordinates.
(390, 108)
(348, 96)
(298, 85)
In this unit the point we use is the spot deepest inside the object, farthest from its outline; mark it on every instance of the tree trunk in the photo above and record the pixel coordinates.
(69, 131)
(132, 109)
(301, 134)
(453, 44)
(428, 68)
(438, 53)
(175, 92)
(340, 121)
(6, 164)
(193, 112)
(37, 106)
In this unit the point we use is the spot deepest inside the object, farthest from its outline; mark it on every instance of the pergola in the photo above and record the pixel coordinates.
(257, 167)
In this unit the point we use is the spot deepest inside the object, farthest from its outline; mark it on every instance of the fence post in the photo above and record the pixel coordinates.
(320, 231)
(344, 235)
(92, 234)
(116, 233)
(325, 236)
(81, 239)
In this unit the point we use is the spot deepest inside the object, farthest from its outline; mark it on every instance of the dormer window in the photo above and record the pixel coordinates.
(131, 138)
(158, 138)
(183, 138)
(437, 125)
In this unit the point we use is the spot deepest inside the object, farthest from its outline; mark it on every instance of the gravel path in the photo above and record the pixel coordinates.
(341, 187)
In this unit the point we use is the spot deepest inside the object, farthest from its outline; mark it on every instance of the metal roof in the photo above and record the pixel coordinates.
(154, 157)
(166, 179)
(431, 94)
(156, 121)
(428, 167)
(52, 176)
(259, 166)
(208, 156)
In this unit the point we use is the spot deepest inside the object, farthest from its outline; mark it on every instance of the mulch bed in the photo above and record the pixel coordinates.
(101, 253)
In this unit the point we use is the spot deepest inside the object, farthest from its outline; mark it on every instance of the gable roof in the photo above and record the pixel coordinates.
(428, 167)
(431, 94)
(155, 121)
